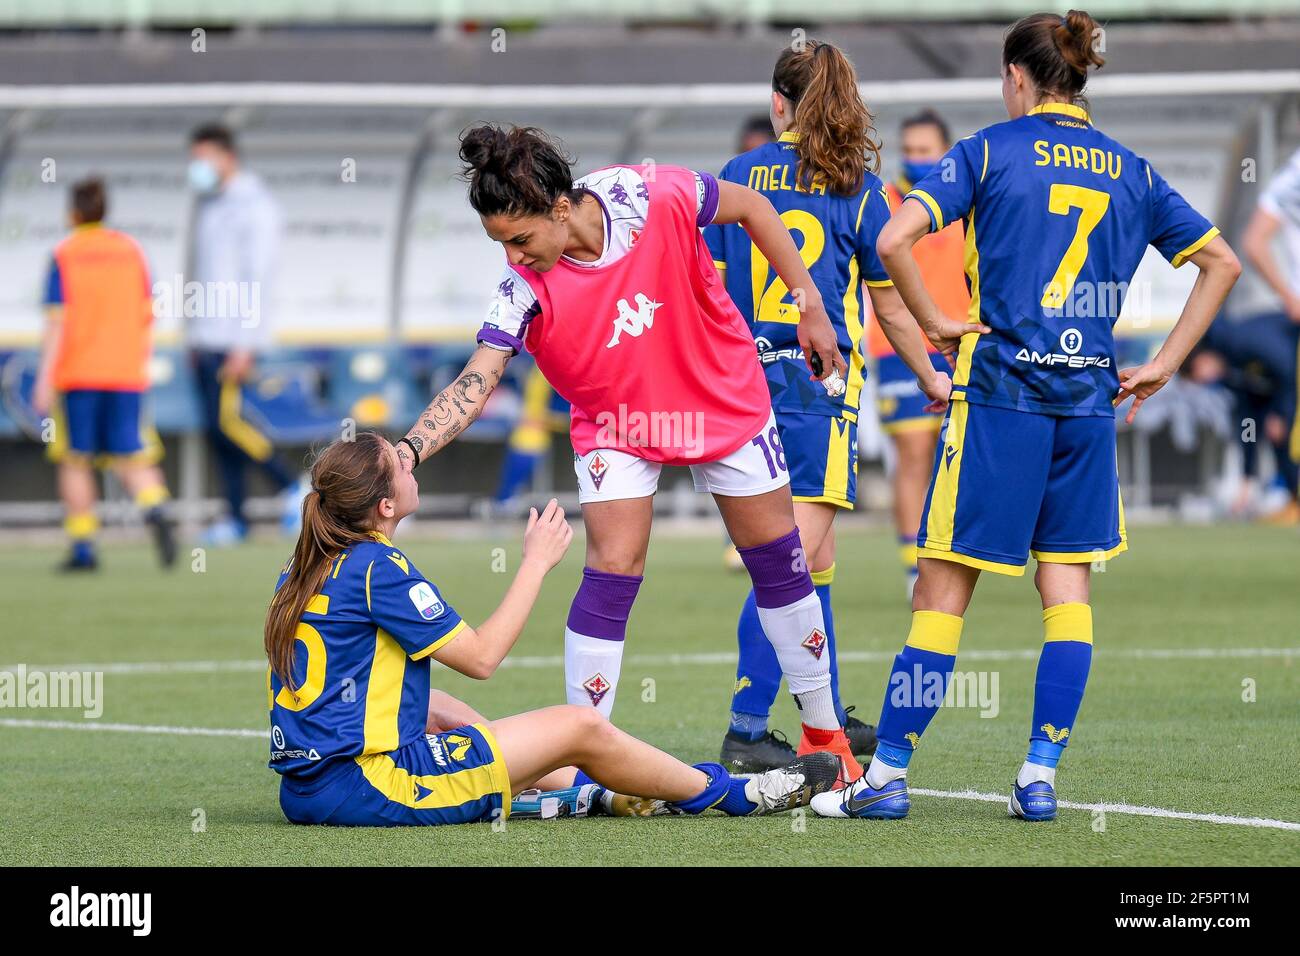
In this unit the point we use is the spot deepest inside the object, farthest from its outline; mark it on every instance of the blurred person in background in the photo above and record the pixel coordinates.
(543, 413)
(756, 132)
(900, 403)
(1255, 360)
(236, 237)
(1279, 213)
(94, 374)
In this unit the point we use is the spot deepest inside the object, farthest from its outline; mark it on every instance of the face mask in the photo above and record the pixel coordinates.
(915, 172)
(202, 176)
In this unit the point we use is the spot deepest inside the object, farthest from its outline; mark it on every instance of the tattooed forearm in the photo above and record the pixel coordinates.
(458, 405)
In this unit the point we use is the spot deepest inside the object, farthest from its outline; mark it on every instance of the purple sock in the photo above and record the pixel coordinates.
(779, 570)
(603, 603)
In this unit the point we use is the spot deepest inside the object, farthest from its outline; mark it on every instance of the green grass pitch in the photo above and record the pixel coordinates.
(1161, 726)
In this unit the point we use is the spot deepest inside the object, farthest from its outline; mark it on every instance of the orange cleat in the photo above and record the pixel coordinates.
(833, 742)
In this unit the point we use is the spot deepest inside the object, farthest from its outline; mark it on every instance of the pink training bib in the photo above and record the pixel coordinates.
(649, 350)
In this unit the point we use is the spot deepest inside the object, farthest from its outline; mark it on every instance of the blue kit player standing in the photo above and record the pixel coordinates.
(818, 175)
(1058, 216)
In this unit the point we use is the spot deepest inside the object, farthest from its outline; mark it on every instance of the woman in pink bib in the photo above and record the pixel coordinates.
(611, 288)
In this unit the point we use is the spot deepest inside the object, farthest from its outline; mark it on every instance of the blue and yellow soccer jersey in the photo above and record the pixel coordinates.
(361, 663)
(837, 237)
(1058, 216)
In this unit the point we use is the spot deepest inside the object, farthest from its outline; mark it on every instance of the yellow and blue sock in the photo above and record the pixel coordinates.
(81, 529)
(917, 684)
(151, 500)
(758, 672)
(907, 556)
(1058, 688)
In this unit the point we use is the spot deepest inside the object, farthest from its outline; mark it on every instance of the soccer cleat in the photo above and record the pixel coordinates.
(75, 563)
(862, 801)
(769, 752)
(583, 801)
(839, 747)
(1035, 802)
(620, 805)
(164, 536)
(862, 736)
(792, 786)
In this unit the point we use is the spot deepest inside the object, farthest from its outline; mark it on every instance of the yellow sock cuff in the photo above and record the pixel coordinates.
(81, 526)
(1068, 622)
(151, 497)
(935, 631)
(907, 554)
(824, 577)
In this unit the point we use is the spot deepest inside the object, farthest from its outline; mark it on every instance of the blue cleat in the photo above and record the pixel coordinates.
(1035, 802)
(864, 802)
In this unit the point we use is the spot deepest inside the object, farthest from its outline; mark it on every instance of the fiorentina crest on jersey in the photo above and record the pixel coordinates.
(596, 687)
(633, 322)
(597, 468)
(815, 642)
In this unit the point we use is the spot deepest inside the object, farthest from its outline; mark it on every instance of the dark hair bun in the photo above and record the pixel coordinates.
(516, 171)
(1076, 38)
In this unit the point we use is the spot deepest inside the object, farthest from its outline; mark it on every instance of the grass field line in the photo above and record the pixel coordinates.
(1122, 808)
(689, 660)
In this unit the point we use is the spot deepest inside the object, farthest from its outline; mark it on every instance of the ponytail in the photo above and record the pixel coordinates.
(348, 479)
(1057, 52)
(835, 146)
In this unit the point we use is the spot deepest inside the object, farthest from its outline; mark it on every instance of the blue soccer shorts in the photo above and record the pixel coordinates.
(900, 403)
(453, 777)
(1010, 484)
(821, 453)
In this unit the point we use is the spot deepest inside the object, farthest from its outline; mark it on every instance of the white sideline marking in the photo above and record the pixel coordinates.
(1123, 808)
(135, 728)
(715, 657)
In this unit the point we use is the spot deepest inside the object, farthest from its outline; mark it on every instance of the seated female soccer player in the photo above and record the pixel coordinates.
(350, 633)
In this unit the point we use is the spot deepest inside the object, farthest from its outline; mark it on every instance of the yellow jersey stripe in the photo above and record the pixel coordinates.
(930, 203)
(1065, 109)
(1194, 248)
(440, 642)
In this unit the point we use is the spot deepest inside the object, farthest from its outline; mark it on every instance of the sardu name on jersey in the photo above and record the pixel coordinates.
(1090, 158)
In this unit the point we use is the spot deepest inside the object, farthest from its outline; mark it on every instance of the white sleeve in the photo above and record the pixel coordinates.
(1282, 196)
(513, 306)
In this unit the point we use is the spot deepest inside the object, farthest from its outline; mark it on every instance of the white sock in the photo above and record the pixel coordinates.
(591, 668)
(880, 773)
(798, 635)
(1029, 772)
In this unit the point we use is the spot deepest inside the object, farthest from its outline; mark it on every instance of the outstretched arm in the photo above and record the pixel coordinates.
(755, 214)
(456, 407)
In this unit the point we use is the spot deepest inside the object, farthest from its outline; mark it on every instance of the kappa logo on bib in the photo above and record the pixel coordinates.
(634, 322)
(425, 600)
